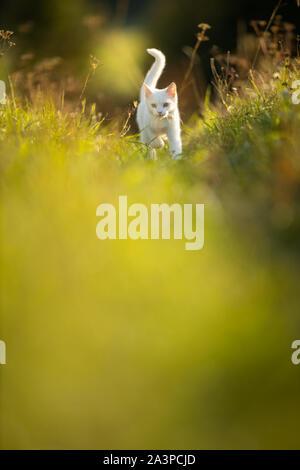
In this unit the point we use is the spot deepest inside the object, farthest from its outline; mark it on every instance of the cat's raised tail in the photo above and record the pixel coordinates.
(156, 69)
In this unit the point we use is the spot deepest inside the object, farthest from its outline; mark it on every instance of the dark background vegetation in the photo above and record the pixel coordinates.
(170, 22)
(71, 30)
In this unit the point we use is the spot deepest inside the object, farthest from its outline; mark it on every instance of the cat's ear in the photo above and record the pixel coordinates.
(172, 90)
(148, 91)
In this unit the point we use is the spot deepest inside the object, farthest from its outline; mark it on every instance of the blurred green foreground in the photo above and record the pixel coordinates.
(141, 344)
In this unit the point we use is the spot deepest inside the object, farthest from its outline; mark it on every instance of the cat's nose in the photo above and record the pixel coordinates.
(160, 113)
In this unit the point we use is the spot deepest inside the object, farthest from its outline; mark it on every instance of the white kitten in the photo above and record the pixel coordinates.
(157, 114)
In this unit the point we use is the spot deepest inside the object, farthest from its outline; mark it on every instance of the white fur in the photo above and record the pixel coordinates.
(157, 114)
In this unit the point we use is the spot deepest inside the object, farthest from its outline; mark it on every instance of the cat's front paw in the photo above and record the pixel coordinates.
(176, 155)
(152, 154)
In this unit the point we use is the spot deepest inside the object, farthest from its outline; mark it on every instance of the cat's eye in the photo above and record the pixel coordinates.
(166, 105)
(153, 105)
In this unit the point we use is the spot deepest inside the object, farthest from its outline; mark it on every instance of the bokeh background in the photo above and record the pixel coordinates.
(142, 344)
(55, 39)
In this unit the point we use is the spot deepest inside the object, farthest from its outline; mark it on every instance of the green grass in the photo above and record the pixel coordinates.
(140, 344)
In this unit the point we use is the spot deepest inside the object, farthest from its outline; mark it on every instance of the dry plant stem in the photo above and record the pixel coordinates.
(5, 41)
(191, 65)
(85, 83)
(201, 37)
(126, 127)
(267, 29)
(94, 64)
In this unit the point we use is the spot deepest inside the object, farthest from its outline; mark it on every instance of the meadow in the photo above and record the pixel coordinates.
(141, 344)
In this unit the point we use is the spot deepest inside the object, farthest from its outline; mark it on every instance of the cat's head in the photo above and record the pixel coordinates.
(161, 102)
